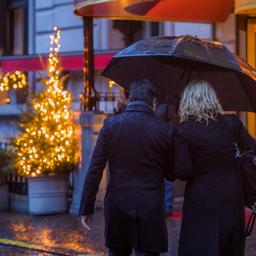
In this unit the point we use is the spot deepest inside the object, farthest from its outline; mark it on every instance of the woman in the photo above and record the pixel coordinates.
(213, 221)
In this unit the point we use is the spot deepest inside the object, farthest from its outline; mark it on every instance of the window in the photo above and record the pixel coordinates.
(132, 30)
(16, 27)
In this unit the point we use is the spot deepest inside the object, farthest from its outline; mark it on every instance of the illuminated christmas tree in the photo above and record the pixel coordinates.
(47, 142)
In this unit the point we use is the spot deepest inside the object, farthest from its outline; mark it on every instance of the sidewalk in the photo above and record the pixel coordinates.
(64, 235)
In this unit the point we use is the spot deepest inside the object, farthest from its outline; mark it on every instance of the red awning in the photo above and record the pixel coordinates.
(172, 10)
(70, 62)
(104, 8)
(184, 10)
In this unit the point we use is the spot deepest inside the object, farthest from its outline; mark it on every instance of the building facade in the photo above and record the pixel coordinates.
(246, 44)
(27, 25)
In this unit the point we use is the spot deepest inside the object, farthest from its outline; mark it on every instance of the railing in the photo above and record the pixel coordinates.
(4, 146)
(12, 109)
(107, 102)
(17, 184)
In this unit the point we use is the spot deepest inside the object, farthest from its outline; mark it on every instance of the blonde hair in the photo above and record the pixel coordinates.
(199, 102)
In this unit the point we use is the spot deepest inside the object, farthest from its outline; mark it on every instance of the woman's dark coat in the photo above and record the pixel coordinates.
(213, 221)
(139, 149)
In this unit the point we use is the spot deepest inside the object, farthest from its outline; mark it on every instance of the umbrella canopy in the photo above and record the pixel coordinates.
(176, 10)
(171, 62)
(183, 10)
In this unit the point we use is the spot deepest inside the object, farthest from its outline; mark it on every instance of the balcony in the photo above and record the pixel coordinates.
(12, 109)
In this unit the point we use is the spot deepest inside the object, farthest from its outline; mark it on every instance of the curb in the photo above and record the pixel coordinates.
(39, 248)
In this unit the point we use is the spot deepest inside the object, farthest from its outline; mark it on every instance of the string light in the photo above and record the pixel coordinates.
(16, 80)
(47, 142)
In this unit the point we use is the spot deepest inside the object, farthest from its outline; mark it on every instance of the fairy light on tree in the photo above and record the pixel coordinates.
(16, 80)
(47, 142)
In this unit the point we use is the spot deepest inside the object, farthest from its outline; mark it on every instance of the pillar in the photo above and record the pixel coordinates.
(91, 124)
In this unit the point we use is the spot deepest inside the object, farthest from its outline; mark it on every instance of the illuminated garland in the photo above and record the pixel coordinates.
(16, 80)
(47, 142)
(111, 84)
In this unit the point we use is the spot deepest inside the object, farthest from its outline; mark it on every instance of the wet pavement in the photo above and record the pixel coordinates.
(56, 234)
(64, 235)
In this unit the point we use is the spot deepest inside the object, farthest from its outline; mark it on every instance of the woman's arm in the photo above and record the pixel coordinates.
(245, 140)
(183, 166)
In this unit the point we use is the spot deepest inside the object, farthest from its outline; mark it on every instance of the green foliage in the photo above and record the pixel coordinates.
(6, 165)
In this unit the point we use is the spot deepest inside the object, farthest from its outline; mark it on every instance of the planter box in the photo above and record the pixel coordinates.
(4, 195)
(48, 194)
(19, 203)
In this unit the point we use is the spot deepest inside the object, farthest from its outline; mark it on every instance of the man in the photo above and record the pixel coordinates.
(138, 147)
(122, 103)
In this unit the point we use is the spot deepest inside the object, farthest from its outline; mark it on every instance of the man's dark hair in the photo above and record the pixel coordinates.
(143, 90)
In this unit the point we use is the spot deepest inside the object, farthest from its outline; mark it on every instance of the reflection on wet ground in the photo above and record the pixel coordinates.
(60, 232)
(64, 235)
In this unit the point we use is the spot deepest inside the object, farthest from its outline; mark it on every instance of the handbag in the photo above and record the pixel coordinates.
(246, 164)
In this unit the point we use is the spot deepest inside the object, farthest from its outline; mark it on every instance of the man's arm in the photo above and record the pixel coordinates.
(169, 175)
(94, 175)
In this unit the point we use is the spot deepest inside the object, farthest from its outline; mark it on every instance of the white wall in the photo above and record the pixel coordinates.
(50, 13)
(226, 32)
(200, 30)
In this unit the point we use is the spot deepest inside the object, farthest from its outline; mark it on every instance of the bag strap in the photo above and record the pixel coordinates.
(229, 121)
(250, 225)
(252, 219)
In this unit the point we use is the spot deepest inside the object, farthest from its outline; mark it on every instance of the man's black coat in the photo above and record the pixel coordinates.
(139, 149)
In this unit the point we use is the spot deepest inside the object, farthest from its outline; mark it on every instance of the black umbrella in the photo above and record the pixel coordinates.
(171, 62)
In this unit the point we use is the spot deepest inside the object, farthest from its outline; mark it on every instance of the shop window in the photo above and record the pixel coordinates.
(13, 34)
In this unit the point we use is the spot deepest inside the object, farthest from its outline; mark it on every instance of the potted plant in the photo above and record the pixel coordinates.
(5, 162)
(46, 150)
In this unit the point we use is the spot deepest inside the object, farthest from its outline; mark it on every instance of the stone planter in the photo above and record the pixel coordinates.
(48, 194)
(4, 195)
(19, 203)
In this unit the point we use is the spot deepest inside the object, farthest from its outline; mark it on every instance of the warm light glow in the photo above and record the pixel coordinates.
(217, 43)
(111, 83)
(47, 142)
(16, 80)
